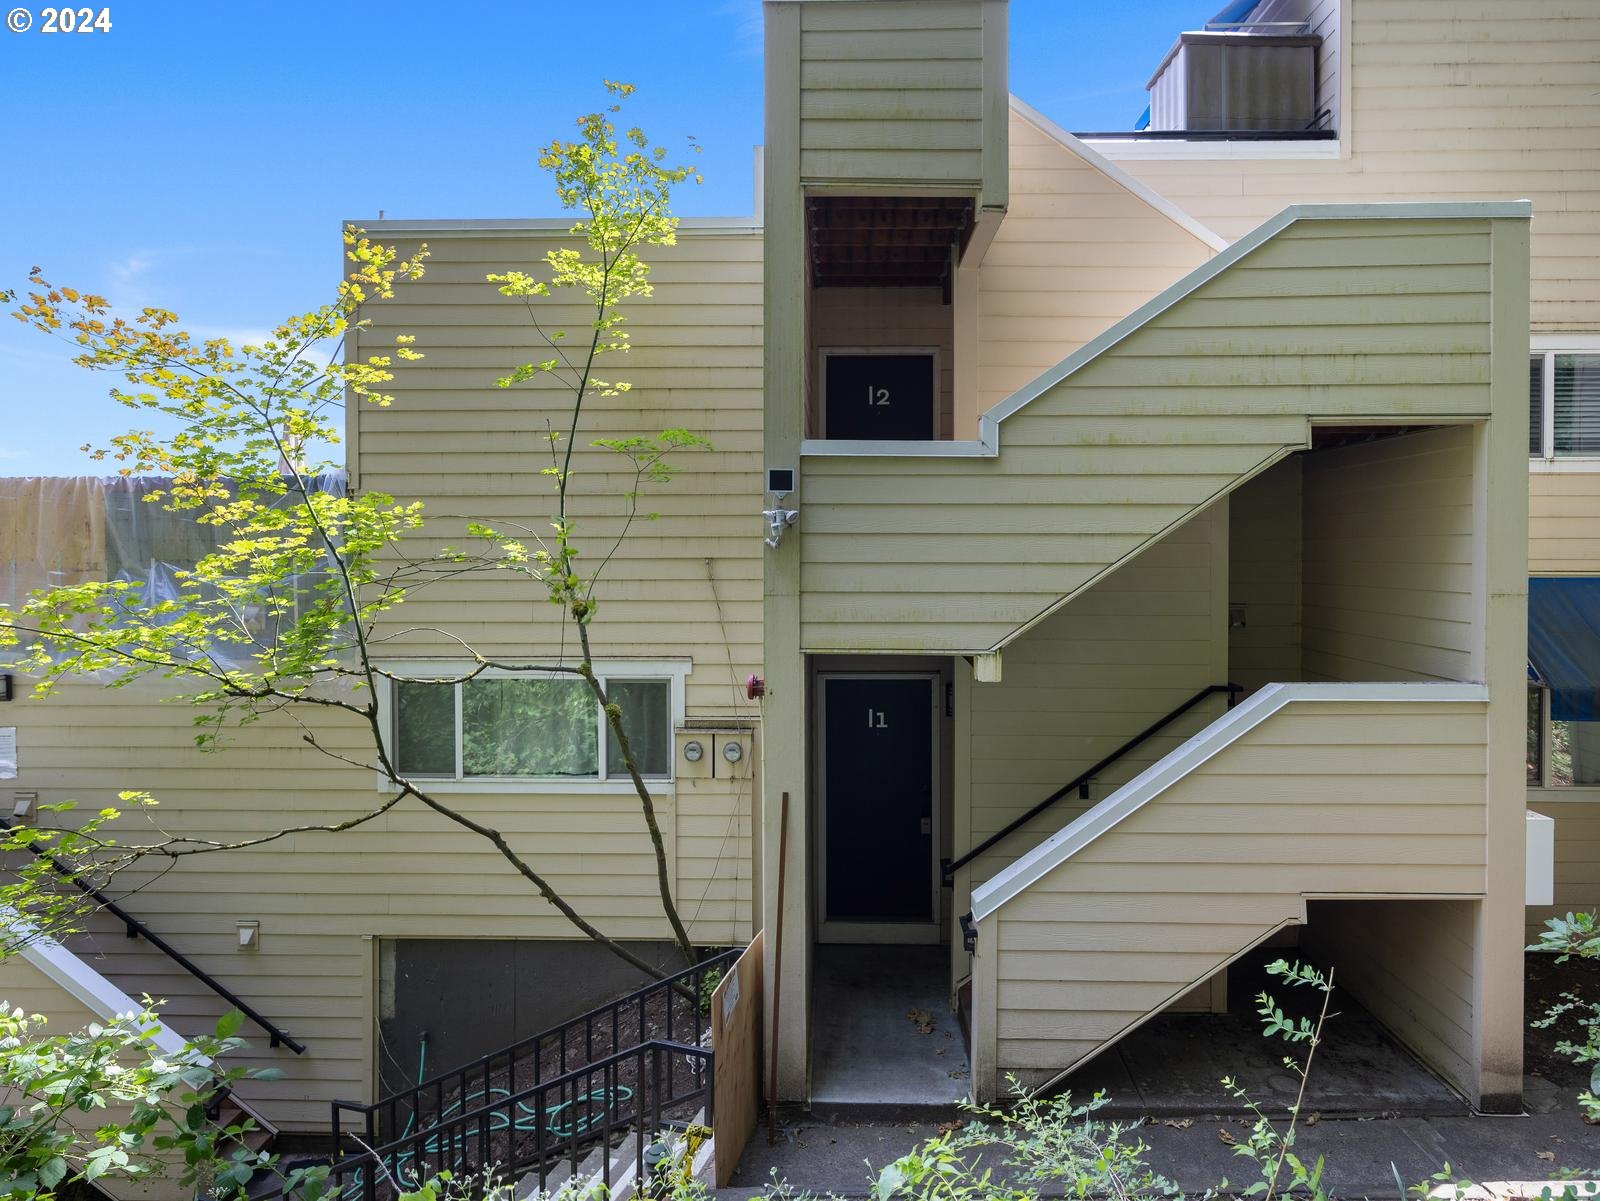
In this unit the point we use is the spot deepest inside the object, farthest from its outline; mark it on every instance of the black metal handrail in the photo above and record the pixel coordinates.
(537, 1130)
(137, 929)
(949, 867)
(607, 1029)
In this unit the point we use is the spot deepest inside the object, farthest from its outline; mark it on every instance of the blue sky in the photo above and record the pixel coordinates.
(202, 156)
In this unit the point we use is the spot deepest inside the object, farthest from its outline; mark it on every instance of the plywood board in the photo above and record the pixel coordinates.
(736, 1043)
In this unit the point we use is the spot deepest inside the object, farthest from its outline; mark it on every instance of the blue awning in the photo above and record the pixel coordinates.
(1564, 644)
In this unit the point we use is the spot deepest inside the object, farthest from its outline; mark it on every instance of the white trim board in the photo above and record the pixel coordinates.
(1176, 149)
(88, 987)
(1029, 869)
(1117, 175)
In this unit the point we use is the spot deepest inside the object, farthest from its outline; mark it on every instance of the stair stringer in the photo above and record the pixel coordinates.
(1304, 790)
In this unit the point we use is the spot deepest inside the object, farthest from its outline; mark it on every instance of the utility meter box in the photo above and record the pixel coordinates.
(734, 754)
(693, 754)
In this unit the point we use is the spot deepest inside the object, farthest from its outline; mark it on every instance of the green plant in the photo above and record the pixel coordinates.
(287, 618)
(1569, 936)
(1268, 1146)
(1035, 1143)
(107, 1102)
(708, 986)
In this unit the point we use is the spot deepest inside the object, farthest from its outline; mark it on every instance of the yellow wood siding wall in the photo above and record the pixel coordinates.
(1577, 813)
(1265, 577)
(912, 318)
(891, 93)
(322, 898)
(1387, 531)
(1564, 523)
(1353, 318)
(1076, 253)
(1451, 101)
(1089, 677)
(685, 584)
(1305, 803)
(1411, 965)
(1323, 19)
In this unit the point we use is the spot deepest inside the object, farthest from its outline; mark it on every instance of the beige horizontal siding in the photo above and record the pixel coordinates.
(1076, 253)
(1387, 536)
(1242, 389)
(1461, 101)
(890, 94)
(1411, 965)
(1092, 675)
(1265, 577)
(1577, 813)
(1321, 798)
(322, 898)
(686, 583)
(1564, 523)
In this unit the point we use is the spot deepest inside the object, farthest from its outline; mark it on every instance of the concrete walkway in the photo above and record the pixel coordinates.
(832, 1157)
(1173, 1063)
(885, 1041)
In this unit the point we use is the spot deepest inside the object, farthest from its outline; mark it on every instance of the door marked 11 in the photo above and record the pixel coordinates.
(875, 720)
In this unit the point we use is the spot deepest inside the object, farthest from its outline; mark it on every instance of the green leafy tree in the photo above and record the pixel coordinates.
(285, 617)
(107, 1102)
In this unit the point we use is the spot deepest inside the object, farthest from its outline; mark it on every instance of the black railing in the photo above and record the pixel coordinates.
(663, 1010)
(137, 929)
(595, 1121)
(949, 867)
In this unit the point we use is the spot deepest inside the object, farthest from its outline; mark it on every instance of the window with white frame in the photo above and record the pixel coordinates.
(1561, 754)
(531, 726)
(1564, 404)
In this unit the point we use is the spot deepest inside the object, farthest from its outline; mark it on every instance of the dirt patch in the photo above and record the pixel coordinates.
(1544, 983)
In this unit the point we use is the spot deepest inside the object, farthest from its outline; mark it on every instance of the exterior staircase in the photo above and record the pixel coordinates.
(1303, 791)
(1326, 314)
(581, 1101)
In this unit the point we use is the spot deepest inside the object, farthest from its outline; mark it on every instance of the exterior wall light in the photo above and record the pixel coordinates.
(778, 520)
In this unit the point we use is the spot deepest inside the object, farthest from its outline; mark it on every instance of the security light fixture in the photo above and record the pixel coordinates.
(778, 520)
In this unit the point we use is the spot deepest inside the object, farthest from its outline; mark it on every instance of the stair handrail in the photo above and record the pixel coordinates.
(479, 1069)
(949, 867)
(137, 929)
